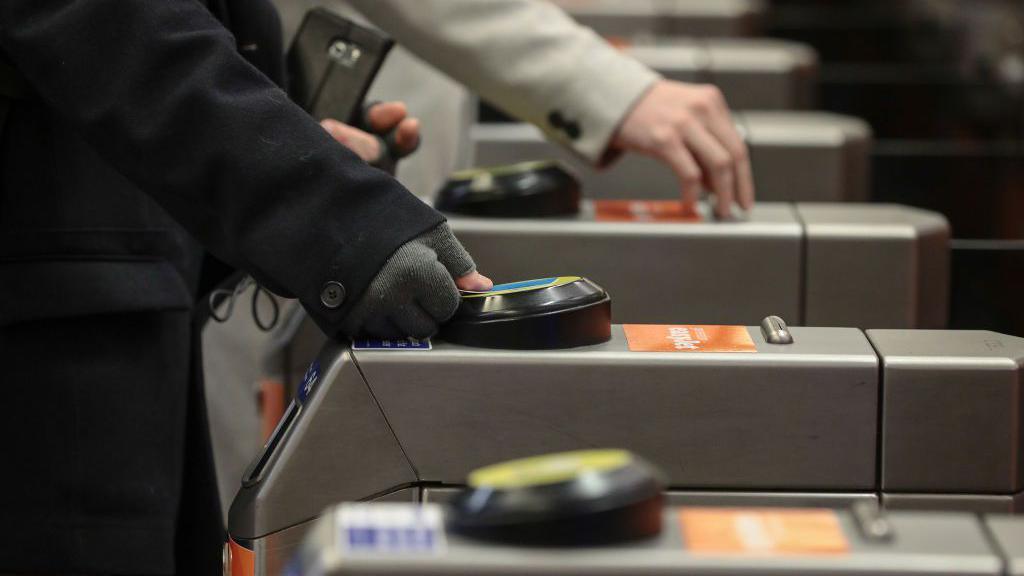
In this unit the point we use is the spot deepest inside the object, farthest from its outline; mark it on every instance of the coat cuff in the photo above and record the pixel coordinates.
(604, 89)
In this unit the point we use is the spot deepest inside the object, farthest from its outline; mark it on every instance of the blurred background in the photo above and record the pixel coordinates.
(941, 83)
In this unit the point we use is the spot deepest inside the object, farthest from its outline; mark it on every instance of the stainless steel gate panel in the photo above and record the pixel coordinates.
(668, 17)
(703, 272)
(796, 156)
(1008, 534)
(953, 411)
(808, 156)
(753, 74)
(875, 266)
(869, 266)
(923, 544)
(763, 73)
(443, 494)
(335, 446)
(976, 503)
(807, 419)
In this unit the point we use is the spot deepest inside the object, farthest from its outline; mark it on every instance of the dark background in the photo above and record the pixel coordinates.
(942, 84)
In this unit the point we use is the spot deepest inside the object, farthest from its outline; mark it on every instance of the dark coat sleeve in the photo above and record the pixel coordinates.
(159, 89)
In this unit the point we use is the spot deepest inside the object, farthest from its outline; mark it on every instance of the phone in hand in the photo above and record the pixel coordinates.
(332, 63)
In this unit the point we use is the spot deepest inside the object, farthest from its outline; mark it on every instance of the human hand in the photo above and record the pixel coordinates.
(689, 128)
(382, 119)
(417, 289)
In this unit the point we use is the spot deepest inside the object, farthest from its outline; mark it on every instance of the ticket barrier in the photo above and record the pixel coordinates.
(835, 416)
(701, 18)
(859, 265)
(692, 542)
(753, 74)
(796, 156)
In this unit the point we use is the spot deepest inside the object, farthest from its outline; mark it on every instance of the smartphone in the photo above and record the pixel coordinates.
(332, 63)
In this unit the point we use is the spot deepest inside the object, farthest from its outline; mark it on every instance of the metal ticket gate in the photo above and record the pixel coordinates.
(668, 17)
(753, 74)
(836, 416)
(867, 266)
(796, 156)
(691, 543)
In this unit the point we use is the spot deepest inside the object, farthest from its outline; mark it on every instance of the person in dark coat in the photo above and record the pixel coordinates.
(147, 134)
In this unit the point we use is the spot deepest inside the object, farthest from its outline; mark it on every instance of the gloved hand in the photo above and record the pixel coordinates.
(417, 289)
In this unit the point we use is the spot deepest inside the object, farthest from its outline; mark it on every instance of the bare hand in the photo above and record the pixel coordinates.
(688, 127)
(383, 118)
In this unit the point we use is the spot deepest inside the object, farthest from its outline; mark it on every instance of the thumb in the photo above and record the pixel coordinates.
(365, 145)
(474, 282)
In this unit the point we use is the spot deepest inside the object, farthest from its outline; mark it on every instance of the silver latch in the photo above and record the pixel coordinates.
(775, 331)
(872, 521)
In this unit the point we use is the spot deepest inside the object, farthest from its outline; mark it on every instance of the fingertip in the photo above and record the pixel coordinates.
(408, 135)
(385, 115)
(485, 282)
(475, 282)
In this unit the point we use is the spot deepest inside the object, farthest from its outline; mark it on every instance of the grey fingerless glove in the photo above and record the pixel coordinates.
(415, 290)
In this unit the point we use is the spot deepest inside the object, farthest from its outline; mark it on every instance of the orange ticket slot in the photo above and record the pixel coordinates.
(272, 406)
(688, 338)
(765, 531)
(239, 560)
(645, 211)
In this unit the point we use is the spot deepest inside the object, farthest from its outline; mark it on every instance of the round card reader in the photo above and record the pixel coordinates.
(570, 498)
(559, 312)
(524, 190)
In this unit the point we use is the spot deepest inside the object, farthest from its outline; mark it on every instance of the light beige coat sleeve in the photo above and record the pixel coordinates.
(525, 56)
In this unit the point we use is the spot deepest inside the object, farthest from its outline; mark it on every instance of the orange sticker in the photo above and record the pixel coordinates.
(241, 560)
(688, 338)
(645, 211)
(768, 531)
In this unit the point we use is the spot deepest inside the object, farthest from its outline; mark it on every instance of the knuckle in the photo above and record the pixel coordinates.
(712, 94)
(739, 153)
(662, 136)
(691, 177)
(684, 121)
(722, 165)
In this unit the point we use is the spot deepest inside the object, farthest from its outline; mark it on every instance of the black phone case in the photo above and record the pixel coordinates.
(332, 63)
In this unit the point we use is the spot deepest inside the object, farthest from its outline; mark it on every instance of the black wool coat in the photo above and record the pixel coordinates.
(149, 136)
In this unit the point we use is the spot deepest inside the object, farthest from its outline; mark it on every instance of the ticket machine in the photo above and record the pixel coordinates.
(758, 415)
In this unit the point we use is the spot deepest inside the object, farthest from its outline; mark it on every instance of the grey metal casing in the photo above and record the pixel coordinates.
(808, 422)
(753, 74)
(273, 551)
(702, 18)
(924, 544)
(977, 503)
(953, 411)
(877, 266)
(656, 272)
(339, 447)
(775, 499)
(1008, 534)
(796, 156)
